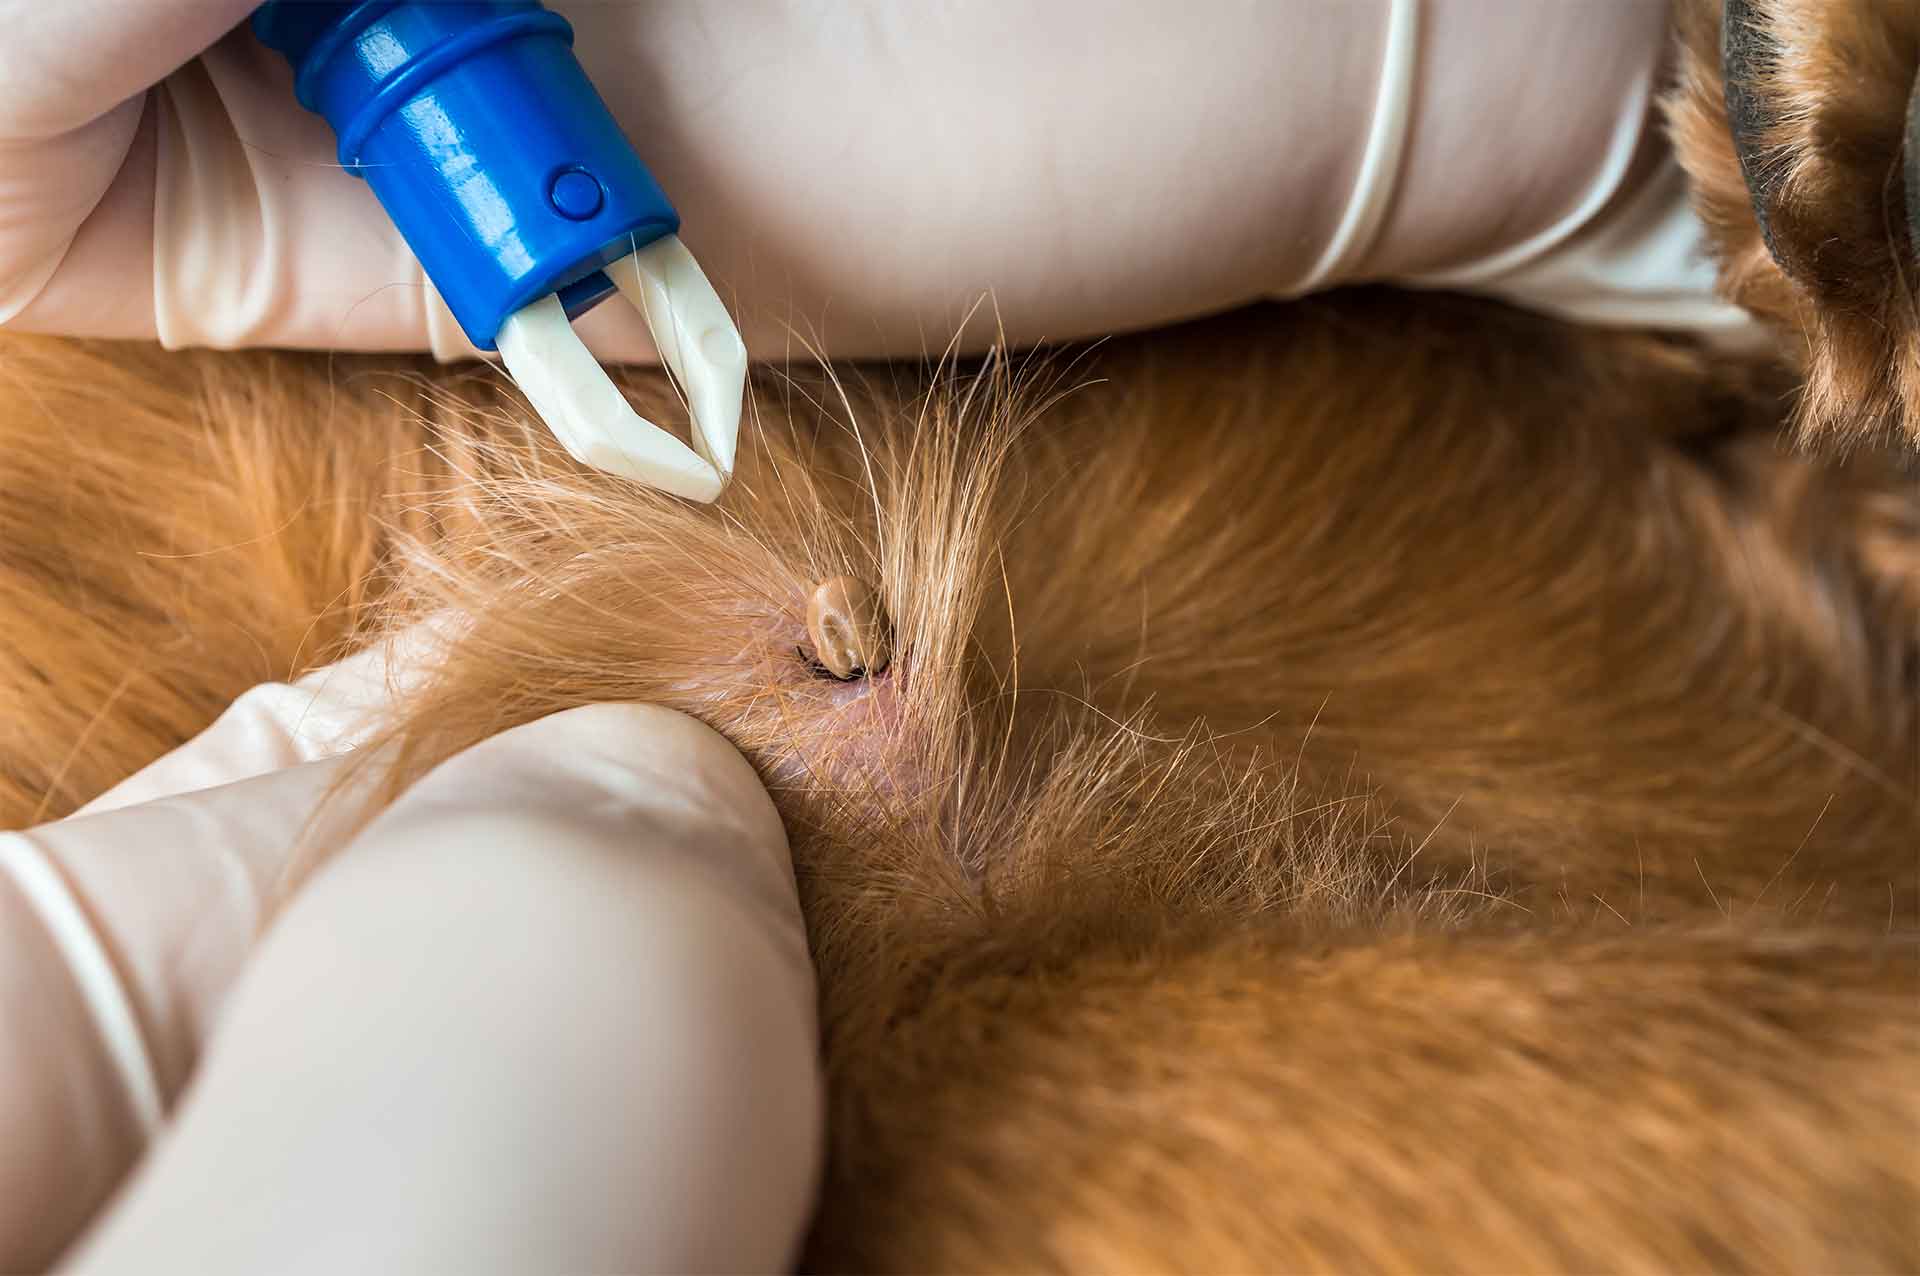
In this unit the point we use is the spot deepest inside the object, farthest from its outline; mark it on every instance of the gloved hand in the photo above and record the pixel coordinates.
(860, 173)
(550, 1011)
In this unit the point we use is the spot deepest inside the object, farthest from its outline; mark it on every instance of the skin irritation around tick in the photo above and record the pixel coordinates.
(849, 628)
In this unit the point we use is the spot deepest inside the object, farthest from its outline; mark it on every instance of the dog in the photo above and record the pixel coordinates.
(1383, 782)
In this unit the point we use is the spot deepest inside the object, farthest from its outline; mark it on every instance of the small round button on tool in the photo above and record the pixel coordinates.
(576, 195)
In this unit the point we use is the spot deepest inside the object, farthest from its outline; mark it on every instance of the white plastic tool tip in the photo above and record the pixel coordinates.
(698, 344)
(695, 337)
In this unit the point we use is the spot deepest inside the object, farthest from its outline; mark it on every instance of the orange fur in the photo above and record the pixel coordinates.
(171, 538)
(1387, 782)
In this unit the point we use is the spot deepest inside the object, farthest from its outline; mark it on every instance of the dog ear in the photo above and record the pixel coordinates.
(1796, 123)
(1913, 167)
(1769, 117)
(1746, 48)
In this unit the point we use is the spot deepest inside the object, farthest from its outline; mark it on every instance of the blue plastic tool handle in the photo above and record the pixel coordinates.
(484, 140)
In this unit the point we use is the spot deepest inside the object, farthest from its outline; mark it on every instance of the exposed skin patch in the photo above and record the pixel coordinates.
(835, 732)
(852, 735)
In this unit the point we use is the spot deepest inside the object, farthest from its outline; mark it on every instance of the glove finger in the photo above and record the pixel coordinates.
(570, 956)
(72, 1127)
(65, 65)
(120, 935)
(174, 892)
(72, 86)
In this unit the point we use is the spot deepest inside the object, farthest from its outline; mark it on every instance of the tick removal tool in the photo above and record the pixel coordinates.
(482, 137)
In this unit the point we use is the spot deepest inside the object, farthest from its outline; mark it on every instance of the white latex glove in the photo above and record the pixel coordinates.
(861, 171)
(551, 1011)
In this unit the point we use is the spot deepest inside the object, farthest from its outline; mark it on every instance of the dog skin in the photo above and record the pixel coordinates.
(1385, 782)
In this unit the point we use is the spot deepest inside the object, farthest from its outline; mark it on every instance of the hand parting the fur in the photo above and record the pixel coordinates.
(579, 941)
